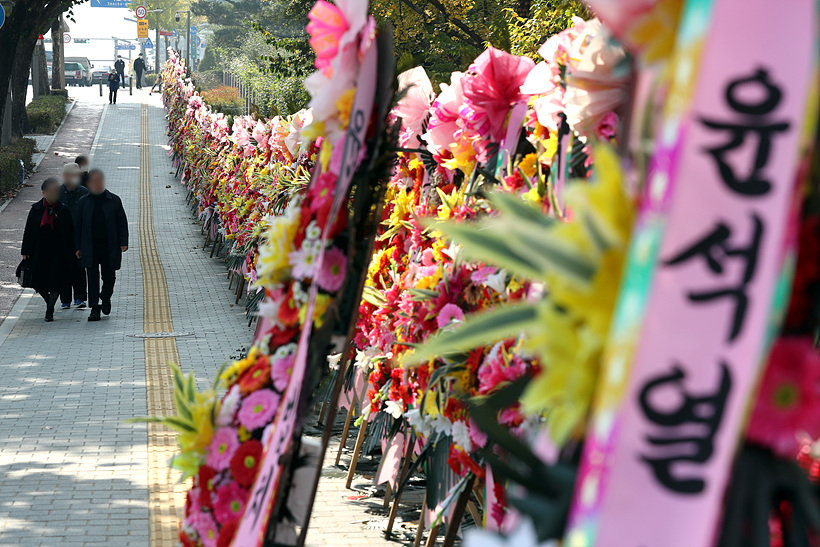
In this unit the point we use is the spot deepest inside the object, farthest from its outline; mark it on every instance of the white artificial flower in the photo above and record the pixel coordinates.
(417, 422)
(229, 406)
(333, 361)
(497, 281)
(393, 408)
(313, 231)
(364, 358)
(440, 424)
(461, 435)
(524, 536)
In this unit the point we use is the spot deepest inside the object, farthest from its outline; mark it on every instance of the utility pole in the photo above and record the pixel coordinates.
(187, 37)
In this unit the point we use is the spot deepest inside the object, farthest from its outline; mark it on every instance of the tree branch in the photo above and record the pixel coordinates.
(477, 40)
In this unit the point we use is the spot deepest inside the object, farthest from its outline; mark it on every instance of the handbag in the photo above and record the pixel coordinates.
(24, 274)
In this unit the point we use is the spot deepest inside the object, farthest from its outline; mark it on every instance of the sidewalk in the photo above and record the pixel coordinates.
(72, 473)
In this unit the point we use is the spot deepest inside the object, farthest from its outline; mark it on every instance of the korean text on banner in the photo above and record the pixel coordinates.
(693, 318)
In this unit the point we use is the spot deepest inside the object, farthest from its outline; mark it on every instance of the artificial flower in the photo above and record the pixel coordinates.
(223, 445)
(334, 267)
(257, 409)
(230, 502)
(245, 462)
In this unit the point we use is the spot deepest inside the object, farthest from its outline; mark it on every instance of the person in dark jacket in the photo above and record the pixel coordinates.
(70, 194)
(139, 68)
(119, 68)
(113, 87)
(82, 161)
(48, 243)
(100, 238)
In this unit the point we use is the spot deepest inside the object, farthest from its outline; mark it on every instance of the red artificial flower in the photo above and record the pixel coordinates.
(461, 463)
(280, 337)
(226, 534)
(245, 462)
(185, 540)
(206, 486)
(289, 311)
(256, 377)
(788, 403)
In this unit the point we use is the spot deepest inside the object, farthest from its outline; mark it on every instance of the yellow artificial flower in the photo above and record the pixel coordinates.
(199, 440)
(319, 309)
(345, 105)
(528, 165)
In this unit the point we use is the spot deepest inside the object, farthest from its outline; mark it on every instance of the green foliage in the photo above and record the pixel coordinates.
(208, 61)
(150, 79)
(45, 113)
(10, 157)
(206, 80)
(546, 17)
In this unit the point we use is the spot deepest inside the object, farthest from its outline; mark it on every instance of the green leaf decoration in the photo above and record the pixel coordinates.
(478, 330)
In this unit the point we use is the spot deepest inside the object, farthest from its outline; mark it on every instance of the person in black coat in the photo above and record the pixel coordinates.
(113, 87)
(119, 68)
(48, 243)
(139, 68)
(100, 238)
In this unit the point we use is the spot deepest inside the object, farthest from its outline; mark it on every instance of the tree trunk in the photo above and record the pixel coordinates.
(19, 87)
(57, 63)
(43, 75)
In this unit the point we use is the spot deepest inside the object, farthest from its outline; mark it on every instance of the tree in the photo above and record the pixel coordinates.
(164, 19)
(26, 20)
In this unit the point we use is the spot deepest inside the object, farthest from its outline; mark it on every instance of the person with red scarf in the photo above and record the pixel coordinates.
(48, 244)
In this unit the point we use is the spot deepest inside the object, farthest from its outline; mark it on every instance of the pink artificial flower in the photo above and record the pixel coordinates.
(206, 528)
(607, 127)
(334, 267)
(223, 445)
(491, 87)
(326, 27)
(260, 134)
(496, 369)
(414, 107)
(257, 409)
(443, 122)
(303, 261)
(280, 372)
(230, 503)
(448, 314)
(478, 437)
(240, 136)
(788, 403)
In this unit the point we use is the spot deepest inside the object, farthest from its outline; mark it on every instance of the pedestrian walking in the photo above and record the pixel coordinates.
(139, 68)
(100, 238)
(48, 243)
(113, 86)
(82, 162)
(119, 68)
(70, 193)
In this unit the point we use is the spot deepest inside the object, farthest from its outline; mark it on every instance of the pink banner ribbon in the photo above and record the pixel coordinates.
(694, 315)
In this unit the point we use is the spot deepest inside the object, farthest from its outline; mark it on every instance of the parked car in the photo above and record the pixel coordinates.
(102, 73)
(77, 74)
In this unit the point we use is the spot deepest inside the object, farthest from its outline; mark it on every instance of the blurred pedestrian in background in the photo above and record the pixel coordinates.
(70, 193)
(82, 161)
(113, 86)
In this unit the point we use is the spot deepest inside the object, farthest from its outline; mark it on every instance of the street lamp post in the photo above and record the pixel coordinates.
(187, 37)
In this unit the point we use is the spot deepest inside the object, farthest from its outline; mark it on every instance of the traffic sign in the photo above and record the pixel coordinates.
(66, 38)
(109, 3)
(194, 30)
(132, 47)
(149, 43)
(141, 12)
(2, 16)
(142, 28)
(81, 40)
(174, 33)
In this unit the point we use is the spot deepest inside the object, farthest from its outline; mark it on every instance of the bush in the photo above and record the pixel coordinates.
(224, 99)
(208, 80)
(45, 113)
(150, 79)
(10, 157)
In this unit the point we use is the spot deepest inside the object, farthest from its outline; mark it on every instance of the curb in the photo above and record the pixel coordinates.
(14, 314)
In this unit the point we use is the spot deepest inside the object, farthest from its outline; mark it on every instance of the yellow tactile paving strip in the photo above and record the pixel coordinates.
(166, 499)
